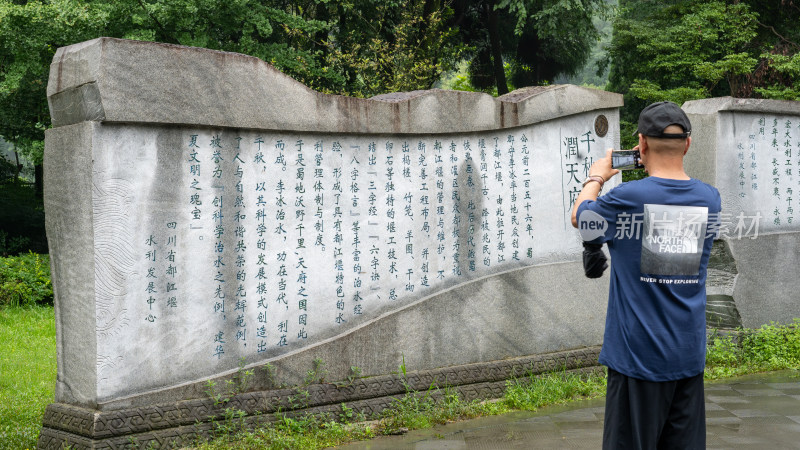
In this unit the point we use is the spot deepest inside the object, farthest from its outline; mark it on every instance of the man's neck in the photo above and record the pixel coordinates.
(669, 171)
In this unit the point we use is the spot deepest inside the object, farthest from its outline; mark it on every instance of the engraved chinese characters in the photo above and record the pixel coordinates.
(764, 174)
(261, 243)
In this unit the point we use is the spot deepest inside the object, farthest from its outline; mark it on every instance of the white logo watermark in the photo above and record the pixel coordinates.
(591, 225)
(630, 226)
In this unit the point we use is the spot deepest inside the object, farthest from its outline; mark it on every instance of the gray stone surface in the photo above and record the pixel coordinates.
(750, 150)
(749, 105)
(133, 79)
(701, 159)
(767, 283)
(528, 311)
(721, 310)
(180, 292)
(70, 235)
(436, 223)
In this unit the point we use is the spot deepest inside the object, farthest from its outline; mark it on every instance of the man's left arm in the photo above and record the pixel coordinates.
(600, 172)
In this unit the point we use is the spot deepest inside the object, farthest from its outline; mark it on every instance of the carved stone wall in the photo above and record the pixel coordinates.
(206, 213)
(750, 150)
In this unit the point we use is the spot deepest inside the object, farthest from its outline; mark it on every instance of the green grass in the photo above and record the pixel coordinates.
(552, 389)
(312, 432)
(27, 373)
(423, 410)
(771, 347)
(25, 280)
(419, 410)
(415, 410)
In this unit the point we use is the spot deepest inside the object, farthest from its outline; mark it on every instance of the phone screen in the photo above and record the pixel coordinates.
(626, 160)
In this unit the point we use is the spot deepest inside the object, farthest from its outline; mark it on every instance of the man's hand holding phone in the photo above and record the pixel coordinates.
(603, 167)
(627, 159)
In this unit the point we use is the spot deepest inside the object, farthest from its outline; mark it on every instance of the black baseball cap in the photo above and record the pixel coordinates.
(658, 116)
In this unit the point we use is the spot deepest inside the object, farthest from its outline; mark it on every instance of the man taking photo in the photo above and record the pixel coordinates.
(659, 232)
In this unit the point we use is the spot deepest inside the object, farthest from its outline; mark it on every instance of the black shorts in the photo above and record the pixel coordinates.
(654, 415)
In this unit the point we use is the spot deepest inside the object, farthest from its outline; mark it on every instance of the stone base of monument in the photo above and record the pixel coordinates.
(186, 421)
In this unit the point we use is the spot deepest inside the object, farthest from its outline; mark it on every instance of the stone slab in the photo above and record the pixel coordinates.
(201, 257)
(70, 236)
(474, 324)
(750, 150)
(767, 283)
(209, 222)
(117, 80)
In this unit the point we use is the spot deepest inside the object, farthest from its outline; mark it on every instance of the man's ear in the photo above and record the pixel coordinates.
(688, 144)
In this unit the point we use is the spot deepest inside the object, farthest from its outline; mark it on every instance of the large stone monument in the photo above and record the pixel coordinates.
(208, 216)
(750, 150)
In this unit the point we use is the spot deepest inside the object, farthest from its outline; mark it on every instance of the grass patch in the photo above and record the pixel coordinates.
(423, 410)
(551, 389)
(27, 373)
(310, 432)
(771, 347)
(25, 280)
(414, 410)
(420, 410)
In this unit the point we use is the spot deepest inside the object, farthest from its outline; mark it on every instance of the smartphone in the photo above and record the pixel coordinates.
(626, 160)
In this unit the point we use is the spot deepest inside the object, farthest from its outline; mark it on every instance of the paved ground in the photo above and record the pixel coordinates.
(754, 412)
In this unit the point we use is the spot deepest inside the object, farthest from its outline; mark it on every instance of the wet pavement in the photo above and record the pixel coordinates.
(753, 412)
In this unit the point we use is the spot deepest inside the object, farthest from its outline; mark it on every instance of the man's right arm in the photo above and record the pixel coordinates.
(601, 168)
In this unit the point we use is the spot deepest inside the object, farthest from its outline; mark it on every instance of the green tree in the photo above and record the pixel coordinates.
(548, 38)
(392, 46)
(29, 34)
(682, 50)
(353, 47)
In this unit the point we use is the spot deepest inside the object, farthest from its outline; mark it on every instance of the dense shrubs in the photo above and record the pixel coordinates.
(25, 280)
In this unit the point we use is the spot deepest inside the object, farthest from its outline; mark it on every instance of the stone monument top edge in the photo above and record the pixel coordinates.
(91, 52)
(530, 93)
(524, 93)
(754, 105)
(124, 81)
(397, 97)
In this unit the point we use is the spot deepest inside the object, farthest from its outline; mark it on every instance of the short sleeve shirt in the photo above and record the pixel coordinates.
(659, 235)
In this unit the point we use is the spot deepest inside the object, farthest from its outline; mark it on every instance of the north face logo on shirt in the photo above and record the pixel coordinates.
(673, 240)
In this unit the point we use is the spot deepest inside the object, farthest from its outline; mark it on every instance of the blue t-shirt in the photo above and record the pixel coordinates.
(659, 235)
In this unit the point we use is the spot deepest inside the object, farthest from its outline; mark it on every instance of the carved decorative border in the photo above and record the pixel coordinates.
(185, 421)
(189, 435)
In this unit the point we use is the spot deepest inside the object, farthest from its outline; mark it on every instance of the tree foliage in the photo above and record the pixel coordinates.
(30, 32)
(406, 46)
(787, 69)
(681, 50)
(548, 38)
(352, 47)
